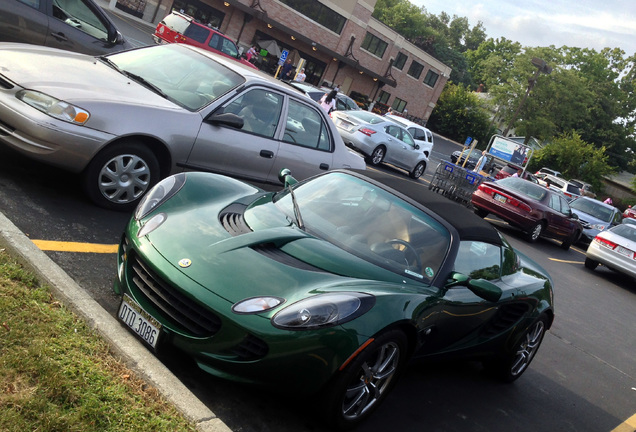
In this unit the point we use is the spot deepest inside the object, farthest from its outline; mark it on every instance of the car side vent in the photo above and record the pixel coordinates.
(271, 251)
(506, 317)
(232, 219)
(5, 84)
(174, 305)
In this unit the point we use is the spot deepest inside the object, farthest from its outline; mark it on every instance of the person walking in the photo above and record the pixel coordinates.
(286, 70)
(328, 101)
(300, 76)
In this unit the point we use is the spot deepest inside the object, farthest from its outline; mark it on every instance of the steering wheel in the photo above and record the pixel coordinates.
(411, 257)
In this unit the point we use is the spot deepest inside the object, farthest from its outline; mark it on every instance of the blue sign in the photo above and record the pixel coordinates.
(283, 57)
(468, 141)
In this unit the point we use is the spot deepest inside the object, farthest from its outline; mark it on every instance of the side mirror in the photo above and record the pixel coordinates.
(227, 119)
(480, 287)
(574, 215)
(417, 146)
(286, 178)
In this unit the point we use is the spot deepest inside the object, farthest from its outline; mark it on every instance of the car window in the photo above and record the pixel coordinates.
(478, 260)
(418, 134)
(79, 15)
(429, 136)
(224, 45)
(367, 117)
(340, 105)
(625, 230)
(555, 202)
(197, 33)
(33, 3)
(565, 207)
(573, 189)
(394, 131)
(618, 217)
(176, 23)
(351, 104)
(407, 138)
(259, 109)
(305, 127)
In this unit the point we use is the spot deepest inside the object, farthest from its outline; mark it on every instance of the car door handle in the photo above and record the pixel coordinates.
(267, 154)
(324, 166)
(59, 36)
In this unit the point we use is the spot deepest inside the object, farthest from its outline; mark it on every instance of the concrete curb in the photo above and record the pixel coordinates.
(122, 343)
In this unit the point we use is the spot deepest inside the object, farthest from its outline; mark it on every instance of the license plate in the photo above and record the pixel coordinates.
(345, 125)
(139, 321)
(623, 251)
(500, 198)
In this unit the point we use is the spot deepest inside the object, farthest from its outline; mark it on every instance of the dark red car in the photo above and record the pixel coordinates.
(629, 212)
(510, 170)
(534, 209)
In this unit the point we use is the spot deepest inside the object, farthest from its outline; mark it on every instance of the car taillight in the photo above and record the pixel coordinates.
(366, 131)
(520, 204)
(486, 189)
(605, 243)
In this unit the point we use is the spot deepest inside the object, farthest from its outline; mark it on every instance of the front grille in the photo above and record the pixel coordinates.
(181, 310)
(506, 317)
(250, 348)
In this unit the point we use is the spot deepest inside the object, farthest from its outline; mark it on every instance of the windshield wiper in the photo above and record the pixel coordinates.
(299, 219)
(143, 81)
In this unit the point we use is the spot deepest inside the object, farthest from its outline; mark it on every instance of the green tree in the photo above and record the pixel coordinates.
(575, 158)
(459, 114)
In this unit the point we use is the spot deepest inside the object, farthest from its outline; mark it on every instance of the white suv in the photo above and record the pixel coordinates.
(570, 190)
(422, 136)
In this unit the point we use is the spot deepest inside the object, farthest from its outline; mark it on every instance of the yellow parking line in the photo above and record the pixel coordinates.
(628, 426)
(47, 245)
(565, 261)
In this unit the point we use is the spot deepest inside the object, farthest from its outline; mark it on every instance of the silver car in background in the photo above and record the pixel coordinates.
(614, 248)
(380, 140)
(126, 120)
(422, 135)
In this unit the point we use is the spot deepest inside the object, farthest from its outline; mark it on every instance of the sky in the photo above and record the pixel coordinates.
(575, 23)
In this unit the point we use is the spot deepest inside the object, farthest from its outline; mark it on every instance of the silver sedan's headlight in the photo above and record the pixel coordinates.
(54, 107)
(323, 310)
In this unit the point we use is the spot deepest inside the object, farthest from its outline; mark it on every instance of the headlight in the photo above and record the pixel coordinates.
(54, 107)
(159, 194)
(257, 305)
(599, 227)
(152, 224)
(323, 310)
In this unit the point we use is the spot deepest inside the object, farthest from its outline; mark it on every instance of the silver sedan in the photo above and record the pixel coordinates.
(380, 140)
(126, 120)
(614, 248)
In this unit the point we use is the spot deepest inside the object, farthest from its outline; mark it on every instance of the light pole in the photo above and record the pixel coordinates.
(542, 66)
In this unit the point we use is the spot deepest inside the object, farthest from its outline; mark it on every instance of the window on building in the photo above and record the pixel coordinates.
(318, 12)
(400, 61)
(415, 70)
(431, 78)
(398, 105)
(374, 45)
(384, 97)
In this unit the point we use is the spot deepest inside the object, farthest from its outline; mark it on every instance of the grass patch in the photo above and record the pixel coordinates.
(56, 374)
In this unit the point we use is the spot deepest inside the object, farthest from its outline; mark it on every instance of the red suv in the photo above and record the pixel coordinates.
(181, 28)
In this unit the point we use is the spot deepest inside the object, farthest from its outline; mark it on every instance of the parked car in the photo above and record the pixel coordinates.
(586, 188)
(629, 212)
(126, 120)
(550, 171)
(380, 140)
(73, 25)
(595, 216)
(422, 136)
(568, 188)
(510, 170)
(180, 28)
(458, 157)
(343, 102)
(328, 287)
(534, 209)
(615, 248)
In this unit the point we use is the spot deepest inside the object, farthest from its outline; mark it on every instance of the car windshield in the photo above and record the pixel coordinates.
(625, 230)
(197, 81)
(370, 223)
(524, 187)
(366, 116)
(594, 209)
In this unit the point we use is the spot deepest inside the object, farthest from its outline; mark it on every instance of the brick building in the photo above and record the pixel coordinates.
(339, 41)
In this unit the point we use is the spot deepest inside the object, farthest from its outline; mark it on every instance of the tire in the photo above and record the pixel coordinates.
(360, 388)
(568, 242)
(480, 212)
(377, 156)
(591, 264)
(533, 234)
(418, 170)
(511, 366)
(119, 176)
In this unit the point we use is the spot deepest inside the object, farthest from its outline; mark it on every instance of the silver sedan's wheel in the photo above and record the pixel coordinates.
(118, 177)
(377, 156)
(418, 170)
(360, 388)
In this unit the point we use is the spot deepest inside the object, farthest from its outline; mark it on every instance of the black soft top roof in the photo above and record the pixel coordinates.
(468, 225)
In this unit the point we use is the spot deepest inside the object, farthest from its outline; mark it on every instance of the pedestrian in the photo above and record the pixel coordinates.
(518, 173)
(337, 88)
(389, 112)
(481, 162)
(251, 53)
(328, 101)
(608, 200)
(300, 76)
(286, 70)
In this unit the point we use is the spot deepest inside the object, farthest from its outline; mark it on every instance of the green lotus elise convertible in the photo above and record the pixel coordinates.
(328, 286)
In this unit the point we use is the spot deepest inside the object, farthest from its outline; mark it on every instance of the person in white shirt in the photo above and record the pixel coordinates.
(328, 101)
(300, 76)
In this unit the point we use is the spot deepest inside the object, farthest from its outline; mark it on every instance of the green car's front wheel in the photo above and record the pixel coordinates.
(365, 382)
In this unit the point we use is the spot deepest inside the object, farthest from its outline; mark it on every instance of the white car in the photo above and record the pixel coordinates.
(422, 136)
(380, 140)
(570, 190)
(614, 248)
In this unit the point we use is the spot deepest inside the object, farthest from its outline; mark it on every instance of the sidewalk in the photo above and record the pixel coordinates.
(122, 342)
